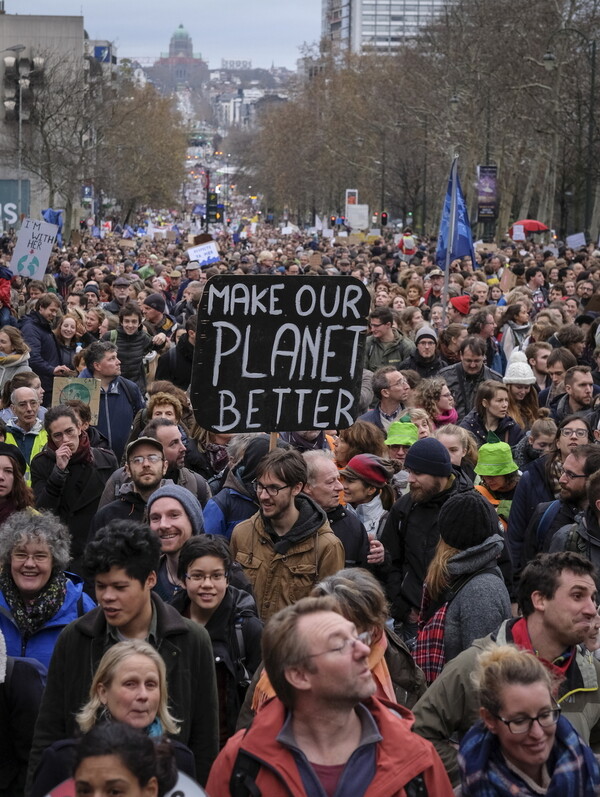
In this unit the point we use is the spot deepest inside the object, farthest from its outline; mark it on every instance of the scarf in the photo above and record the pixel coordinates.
(9, 359)
(84, 450)
(451, 416)
(484, 771)
(217, 456)
(30, 617)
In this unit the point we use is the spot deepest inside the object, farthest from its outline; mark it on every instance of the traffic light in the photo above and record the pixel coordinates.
(332, 220)
(384, 219)
(212, 211)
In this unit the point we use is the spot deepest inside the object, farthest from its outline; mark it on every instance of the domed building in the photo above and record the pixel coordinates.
(181, 67)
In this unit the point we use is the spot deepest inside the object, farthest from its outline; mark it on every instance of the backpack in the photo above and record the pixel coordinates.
(575, 542)
(545, 522)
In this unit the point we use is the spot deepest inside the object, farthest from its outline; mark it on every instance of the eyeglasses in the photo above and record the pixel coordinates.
(38, 558)
(402, 382)
(198, 578)
(365, 638)
(570, 475)
(581, 433)
(153, 458)
(545, 719)
(270, 489)
(375, 326)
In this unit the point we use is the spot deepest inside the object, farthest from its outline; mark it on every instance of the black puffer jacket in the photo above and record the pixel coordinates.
(425, 368)
(131, 350)
(176, 363)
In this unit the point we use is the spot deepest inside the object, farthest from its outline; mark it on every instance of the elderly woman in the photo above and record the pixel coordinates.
(522, 745)
(129, 687)
(37, 598)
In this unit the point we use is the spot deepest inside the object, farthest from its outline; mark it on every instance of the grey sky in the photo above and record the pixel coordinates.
(263, 31)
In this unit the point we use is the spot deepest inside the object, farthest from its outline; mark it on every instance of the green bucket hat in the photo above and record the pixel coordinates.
(402, 434)
(495, 459)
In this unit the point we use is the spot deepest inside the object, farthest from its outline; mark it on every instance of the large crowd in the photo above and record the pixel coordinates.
(407, 606)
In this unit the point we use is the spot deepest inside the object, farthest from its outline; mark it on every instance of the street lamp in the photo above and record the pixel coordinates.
(549, 61)
(16, 49)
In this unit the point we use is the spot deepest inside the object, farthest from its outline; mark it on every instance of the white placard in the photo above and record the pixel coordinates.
(33, 248)
(357, 217)
(518, 232)
(205, 254)
(327, 233)
(576, 240)
(288, 230)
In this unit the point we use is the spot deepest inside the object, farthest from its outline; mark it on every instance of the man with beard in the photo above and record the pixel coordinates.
(411, 533)
(551, 516)
(146, 466)
(577, 400)
(288, 545)
(426, 360)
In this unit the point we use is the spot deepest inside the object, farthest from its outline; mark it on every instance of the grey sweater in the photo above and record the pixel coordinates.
(482, 604)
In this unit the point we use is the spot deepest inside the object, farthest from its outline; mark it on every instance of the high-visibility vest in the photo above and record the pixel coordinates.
(40, 441)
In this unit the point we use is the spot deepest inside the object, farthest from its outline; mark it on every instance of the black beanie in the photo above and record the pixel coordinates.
(429, 456)
(466, 520)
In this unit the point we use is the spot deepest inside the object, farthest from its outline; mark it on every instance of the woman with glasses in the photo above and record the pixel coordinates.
(69, 475)
(522, 745)
(37, 598)
(540, 483)
(229, 615)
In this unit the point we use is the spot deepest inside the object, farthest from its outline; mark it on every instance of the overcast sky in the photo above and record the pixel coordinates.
(262, 31)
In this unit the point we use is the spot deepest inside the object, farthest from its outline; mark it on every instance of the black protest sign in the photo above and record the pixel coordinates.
(279, 353)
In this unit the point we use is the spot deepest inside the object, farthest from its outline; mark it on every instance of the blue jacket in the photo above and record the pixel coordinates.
(228, 508)
(41, 644)
(372, 416)
(44, 355)
(118, 407)
(532, 489)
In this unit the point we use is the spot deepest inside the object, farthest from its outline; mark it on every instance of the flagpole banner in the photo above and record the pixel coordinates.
(455, 239)
(487, 193)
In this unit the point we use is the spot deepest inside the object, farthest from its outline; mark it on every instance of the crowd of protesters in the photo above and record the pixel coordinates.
(405, 606)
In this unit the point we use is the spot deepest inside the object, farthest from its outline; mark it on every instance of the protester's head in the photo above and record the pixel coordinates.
(169, 435)
(364, 477)
(579, 386)
(360, 598)
(561, 588)
(163, 405)
(63, 426)
(323, 483)
(542, 437)
(472, 354)
(174, 515)
(101, 359)
(113, 751)
(573, 431)
(25, 403)
(129, 686)
(388, 383)
(429, 467)
(13, 487)
(48, 306)
(559, 362)
(310, 648)
(362, 437)
(123, 545)
(492, 399)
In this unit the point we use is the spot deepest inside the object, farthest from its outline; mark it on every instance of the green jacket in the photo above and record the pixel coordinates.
(187, 652)
(450, 707)
(378, 354)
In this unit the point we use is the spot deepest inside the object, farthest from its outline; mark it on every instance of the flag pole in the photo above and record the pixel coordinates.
(451, 236)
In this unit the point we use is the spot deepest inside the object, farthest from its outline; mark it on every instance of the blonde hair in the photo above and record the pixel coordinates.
(420, 414)
(438, 577)
(505, 665)
(87, 717)
(466, 438)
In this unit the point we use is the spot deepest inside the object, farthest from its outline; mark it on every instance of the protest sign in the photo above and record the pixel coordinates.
(508, 280)
(65, 388)
(205, 254)
(33, 248)
(576, 241)
(518, 232)
(277, 354)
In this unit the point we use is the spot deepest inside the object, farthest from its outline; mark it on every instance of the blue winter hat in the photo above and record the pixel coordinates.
(188, 501)
(428, 456)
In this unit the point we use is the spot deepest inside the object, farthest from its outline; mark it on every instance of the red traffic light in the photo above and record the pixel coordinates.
(384, 219)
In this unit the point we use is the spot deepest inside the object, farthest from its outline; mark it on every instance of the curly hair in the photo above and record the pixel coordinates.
(124, 544)
(162, 398)
(428, 394)
(42, 527)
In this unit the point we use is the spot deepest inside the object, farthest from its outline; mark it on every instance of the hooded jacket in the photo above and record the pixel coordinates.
(378, 354)
(44, 356)
(400, 757)
(284, 569)
(176, 363)
(508, 430)
(533, 489)
(12, 364)
(232, 504)
(450, 706)
(487, 591)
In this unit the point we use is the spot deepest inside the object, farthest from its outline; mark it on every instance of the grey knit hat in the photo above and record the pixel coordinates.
(189, 502)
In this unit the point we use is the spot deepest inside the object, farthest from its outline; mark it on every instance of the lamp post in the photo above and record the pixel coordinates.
(549, 61)
(16, 49)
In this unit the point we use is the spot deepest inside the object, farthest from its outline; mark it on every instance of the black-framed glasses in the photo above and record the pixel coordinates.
(366, 638)
(545, 719)
(270, 489)
(570, 475)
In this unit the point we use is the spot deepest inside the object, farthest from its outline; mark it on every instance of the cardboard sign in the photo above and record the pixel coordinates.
(171, 235)
(75, 237)
(576, 241)
(73, 387)
(276, 354)
(33, 248)
(508, 280)
(206, 254)
(203, 238)
(316, 259)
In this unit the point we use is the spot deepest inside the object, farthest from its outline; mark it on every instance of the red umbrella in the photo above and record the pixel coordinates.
(529, 225)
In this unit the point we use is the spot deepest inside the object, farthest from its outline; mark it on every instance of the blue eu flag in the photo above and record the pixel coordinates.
(455, 239)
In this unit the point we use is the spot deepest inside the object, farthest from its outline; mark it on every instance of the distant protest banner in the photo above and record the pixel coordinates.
(206, 254)
(277, 354)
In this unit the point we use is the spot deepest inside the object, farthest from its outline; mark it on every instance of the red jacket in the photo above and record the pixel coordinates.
(401, 756)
